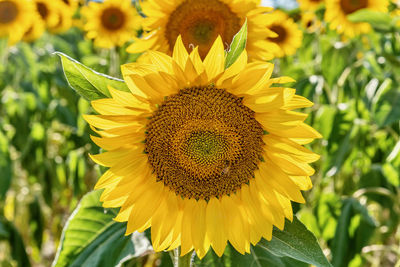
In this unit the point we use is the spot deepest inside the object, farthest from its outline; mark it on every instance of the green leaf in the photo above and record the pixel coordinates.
(5, 166)
(237, 46)
(295, 242)
(87, 82)
(92, 238)
(380, 21)
(18, 252)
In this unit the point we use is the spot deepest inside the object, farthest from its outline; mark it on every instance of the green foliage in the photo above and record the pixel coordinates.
(92, 238)
(237, 46)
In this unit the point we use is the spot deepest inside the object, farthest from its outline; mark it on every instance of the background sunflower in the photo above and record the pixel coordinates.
(289, 36)
(200, 22)
(111, 23)
(338, 10)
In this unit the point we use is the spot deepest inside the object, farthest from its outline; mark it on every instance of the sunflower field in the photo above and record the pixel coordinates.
(199, 133)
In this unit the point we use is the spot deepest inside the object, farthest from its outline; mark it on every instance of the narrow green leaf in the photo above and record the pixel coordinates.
(87, 82)
(237, 46)
(296, 242)
(5, 166)
(380, 21)
(92, 238)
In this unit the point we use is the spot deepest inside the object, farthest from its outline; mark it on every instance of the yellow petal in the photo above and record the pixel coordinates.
(215, 59)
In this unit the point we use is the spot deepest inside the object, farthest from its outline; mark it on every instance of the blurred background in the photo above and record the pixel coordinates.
(353, 208)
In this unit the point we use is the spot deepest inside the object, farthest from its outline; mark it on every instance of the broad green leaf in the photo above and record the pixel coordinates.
(92, 238)
(87, 82)
(380, 21)
(388, 108)
(237, 46)
(296, 242)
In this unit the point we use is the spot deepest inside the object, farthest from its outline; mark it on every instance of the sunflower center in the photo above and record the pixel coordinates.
(8, 11)
(42, 9)
(200, 22)
(203, 142)
(280, 31)
(350, 6)
(113, 18)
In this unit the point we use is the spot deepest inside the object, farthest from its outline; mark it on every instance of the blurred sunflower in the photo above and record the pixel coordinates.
(337, 11)
(310, 22)
(309, 5)
(72, 4)
(189, 154)
(111, 23)
(200, 22)
(289, 36)
(36, 29)
(64, 15)
(16, 17)
(48, 11)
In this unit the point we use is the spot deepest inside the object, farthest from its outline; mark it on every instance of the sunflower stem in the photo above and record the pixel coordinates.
(182, 261)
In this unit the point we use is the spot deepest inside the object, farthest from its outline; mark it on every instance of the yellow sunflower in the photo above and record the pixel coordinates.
(199, 22)
(309, 5)
(337, 11)
(72, 4)
(200, 154)
(64, 15)
(15, 19)
(310, 22)
(289, 36)
(48, 11)
(36, 29)
(111, 23)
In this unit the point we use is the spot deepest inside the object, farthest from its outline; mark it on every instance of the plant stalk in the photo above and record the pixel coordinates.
(184, 261)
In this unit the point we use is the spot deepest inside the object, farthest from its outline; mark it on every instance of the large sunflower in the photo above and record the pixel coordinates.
(15, 19)
(199, 22)
(200, 154)
(289, 36)
(337, 11)
(309, 5)
(111, 23)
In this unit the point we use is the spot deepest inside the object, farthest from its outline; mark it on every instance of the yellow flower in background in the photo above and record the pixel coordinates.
(111, 23)
(289, 36)
(309, 5)
(337, 11)
(72, 4)
(310, 22)
(201, 154)
(36, 30)
(48, 11)
(64, 14)
(15, 19)
(200, 22)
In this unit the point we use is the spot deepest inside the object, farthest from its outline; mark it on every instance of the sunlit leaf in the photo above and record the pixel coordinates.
(237, 46)
(87, 82)
(92, 238)
(379, 20)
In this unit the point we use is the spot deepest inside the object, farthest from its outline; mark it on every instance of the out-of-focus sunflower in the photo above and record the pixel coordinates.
(310, 22)
(200, 154)
(72, 4)
(309, 5)
(200, 22)
(337, 11)
(396, 14)
(111, 23)
(64, 15)
(15, 19)
(289, 36)
(48, 11)
(36, 30)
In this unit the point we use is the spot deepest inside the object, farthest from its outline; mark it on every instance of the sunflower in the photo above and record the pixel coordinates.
(72, 4)
(111, 23)
(338, 10)
(200, 154)
(289, 36)
(64, 15)
(199, 22)
(310, 22)
(48, 11)
(36, 29)
(16, 17)
(309, 5)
